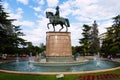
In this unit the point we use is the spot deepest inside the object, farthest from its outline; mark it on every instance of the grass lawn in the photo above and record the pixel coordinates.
(6, 76)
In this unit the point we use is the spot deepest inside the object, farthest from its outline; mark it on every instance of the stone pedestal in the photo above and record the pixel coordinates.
(58, 46)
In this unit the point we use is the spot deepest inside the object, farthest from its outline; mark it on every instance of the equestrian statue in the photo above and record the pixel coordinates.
(55, 19)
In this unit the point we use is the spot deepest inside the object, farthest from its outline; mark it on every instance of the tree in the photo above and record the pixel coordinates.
(34, 49)
(6, 29)
(9, 34)
(95, 44)
(115, 46)
(111, 43)
(42, 48)
(85, 41)
(75, 49)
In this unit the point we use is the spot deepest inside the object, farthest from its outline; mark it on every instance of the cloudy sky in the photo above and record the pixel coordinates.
(30, 14)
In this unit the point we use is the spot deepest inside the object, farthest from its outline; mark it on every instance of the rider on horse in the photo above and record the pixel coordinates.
(57, 14)
(55, 19)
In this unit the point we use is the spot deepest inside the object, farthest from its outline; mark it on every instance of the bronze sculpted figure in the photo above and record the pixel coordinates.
(56, 19)
(57, 14)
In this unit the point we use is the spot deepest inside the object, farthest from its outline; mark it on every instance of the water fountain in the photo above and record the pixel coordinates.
(96, 58)
(30, 57)
(17, 58)
(26, 66)
(30, 66)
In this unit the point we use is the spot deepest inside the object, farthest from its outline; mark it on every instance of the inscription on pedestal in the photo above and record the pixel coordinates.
(58, 44)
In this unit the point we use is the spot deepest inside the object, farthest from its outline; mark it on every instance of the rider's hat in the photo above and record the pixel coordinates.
(57, 7)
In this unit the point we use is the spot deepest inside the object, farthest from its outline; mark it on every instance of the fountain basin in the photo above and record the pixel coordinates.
(59, 63)
(91, 65)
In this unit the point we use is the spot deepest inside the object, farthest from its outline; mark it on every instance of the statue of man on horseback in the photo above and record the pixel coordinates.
(56, 19)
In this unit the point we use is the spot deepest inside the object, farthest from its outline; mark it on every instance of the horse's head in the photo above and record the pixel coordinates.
(48, 14)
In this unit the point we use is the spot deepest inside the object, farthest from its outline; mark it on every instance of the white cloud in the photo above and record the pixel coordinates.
(25, 2)
(83, 19)
(76, 31)
(91, 9)
(13, 14)
(41, 2)
(83, 3)
(5, 5)
(16, 14)
(96, 12)
(52, 3)
(50, 10)
(38, 15)
(38, 9)
(102, 26)
(38, 34)
(28, 24)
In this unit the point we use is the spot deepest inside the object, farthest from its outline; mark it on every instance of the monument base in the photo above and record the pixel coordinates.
(58, 47)
(59, 59)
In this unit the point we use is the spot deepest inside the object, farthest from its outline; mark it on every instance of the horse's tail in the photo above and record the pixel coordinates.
(68, 24)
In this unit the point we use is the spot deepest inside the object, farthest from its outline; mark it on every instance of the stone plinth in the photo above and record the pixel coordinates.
(58, 46)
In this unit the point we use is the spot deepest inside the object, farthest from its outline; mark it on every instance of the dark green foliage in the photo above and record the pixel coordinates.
(90, 41)
(111, 42)
(77, 49)
(85, 41)
(9, 34)
(95, 43)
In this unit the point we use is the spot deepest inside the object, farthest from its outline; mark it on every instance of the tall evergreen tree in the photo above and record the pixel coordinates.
(5, 29)
(85, 41)
(9, 33)
(95, 44)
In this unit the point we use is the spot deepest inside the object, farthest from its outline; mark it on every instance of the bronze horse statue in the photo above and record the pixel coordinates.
(54, 20)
